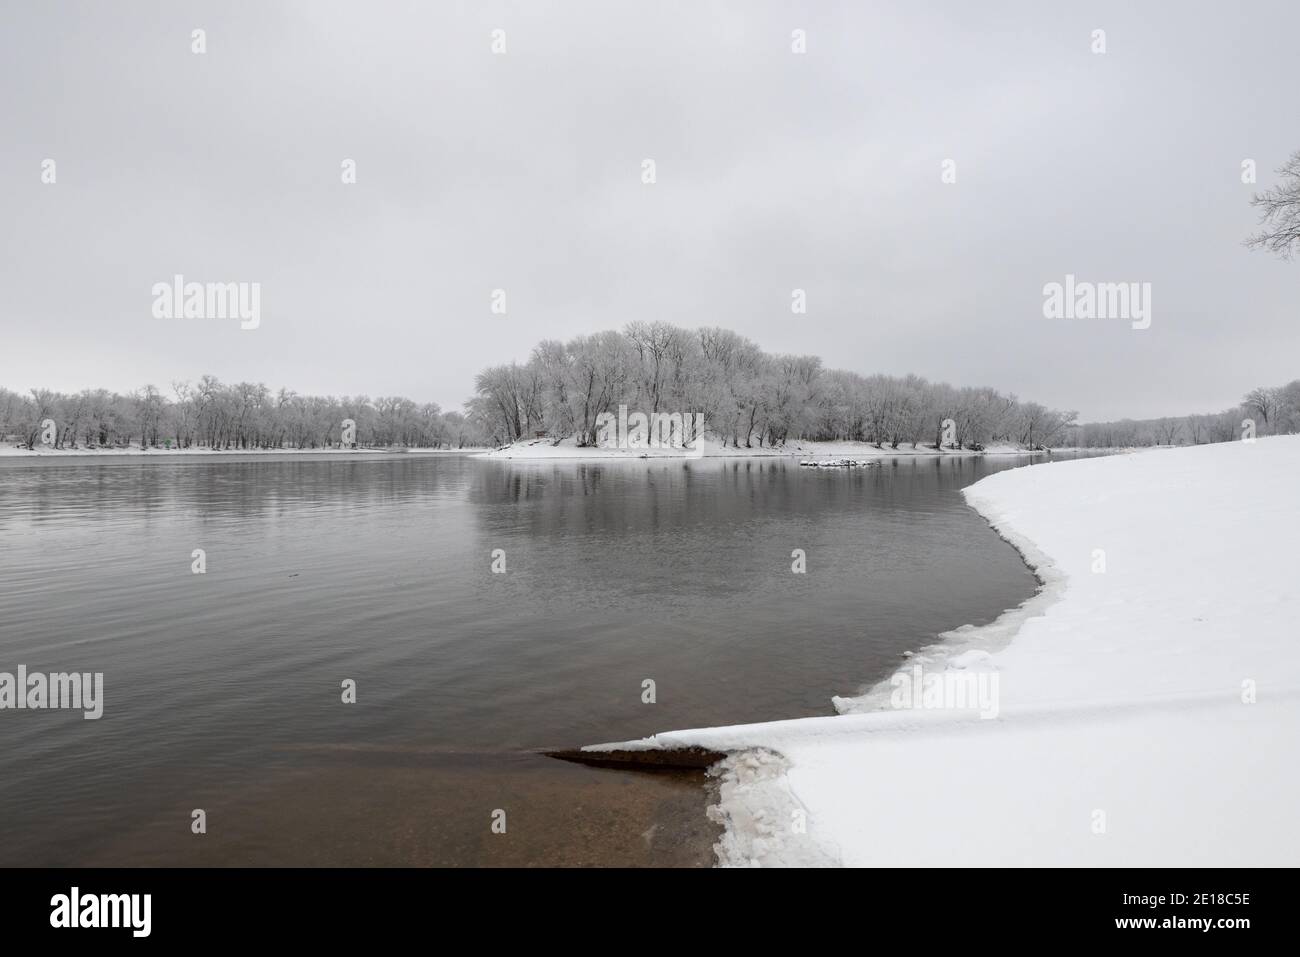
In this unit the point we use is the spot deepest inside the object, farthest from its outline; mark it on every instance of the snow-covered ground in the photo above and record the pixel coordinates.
(1148, 705)
(568, 448)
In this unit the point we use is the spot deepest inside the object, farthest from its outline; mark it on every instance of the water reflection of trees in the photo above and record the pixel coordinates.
(247, 490)
(556, 497)
(567, 495)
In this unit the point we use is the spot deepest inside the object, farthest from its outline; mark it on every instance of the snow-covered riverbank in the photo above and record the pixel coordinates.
(1148, 696)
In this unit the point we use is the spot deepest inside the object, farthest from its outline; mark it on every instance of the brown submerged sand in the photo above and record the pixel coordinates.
(350, 808)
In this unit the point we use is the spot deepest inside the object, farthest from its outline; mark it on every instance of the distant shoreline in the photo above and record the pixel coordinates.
(546, 450)
(10, 451)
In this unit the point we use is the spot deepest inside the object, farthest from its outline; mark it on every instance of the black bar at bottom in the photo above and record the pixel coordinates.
(335, 906)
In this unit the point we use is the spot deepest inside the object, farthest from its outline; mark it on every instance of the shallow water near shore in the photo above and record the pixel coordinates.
(222, 690)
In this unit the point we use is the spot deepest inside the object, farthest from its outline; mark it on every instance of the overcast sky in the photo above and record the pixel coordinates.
(522, 171)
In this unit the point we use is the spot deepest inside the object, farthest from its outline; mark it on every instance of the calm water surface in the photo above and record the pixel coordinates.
(222, 690)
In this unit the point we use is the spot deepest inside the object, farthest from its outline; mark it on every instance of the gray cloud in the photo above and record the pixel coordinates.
(775, 171)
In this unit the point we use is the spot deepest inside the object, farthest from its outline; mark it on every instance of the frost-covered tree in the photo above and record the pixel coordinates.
(1280, 212)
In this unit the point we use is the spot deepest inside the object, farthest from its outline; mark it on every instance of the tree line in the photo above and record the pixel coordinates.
(748, 397)
(1263, 411)
(211, 414)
